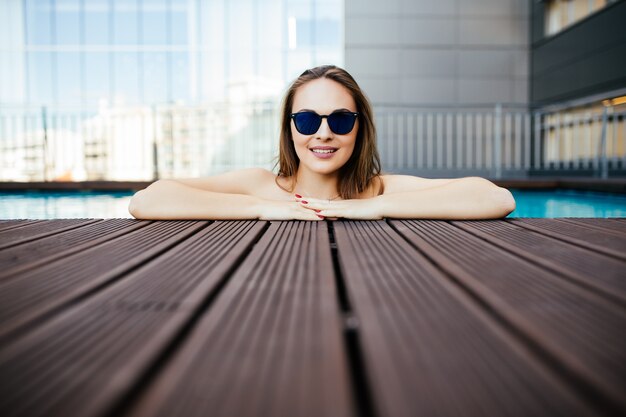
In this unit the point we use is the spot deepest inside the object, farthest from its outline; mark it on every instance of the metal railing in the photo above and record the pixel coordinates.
(502, 142)
(145, 143)
(488, 142)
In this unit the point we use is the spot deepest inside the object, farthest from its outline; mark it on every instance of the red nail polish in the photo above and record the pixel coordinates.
(298, 195)
(304, 202)
(320, 216)
(317, 210)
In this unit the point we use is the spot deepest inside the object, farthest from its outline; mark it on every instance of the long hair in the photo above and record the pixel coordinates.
(363, 166)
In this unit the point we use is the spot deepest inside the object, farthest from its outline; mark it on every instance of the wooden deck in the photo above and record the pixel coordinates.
(516, 317)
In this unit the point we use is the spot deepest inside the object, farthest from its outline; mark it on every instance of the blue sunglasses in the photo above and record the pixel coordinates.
(340, 122)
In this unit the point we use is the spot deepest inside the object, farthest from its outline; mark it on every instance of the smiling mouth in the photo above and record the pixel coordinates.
(323, 151)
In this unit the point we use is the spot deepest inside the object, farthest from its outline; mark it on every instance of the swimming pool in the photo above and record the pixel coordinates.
(83, 204)
(567, 203)
(65, 204)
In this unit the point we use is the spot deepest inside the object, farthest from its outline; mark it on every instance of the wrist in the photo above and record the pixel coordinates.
(380, 206)
(257, 207)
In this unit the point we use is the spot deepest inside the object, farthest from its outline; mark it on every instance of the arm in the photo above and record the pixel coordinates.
(172, 200)
(408, 197)
(228, 196)
(458, 199)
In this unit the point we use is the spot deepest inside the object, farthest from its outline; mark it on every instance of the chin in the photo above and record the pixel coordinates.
(325, 167)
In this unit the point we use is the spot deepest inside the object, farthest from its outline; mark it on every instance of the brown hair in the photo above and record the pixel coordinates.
(363, 167)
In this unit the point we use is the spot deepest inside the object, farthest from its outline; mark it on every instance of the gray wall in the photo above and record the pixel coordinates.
(587, 59)
(444, 52)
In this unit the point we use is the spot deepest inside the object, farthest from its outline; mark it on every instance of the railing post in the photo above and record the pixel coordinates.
(497, 160)
(155, 152)
(536, 160)
(45, 143)
(604, 168)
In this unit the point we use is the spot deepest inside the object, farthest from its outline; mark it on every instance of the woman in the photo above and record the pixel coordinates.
(329, 168)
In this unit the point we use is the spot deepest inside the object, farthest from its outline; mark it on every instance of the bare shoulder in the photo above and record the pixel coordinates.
(401, 183)
(242, 181)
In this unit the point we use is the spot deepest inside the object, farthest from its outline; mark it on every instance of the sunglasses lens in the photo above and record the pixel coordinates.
(341, 122)
(307, 123)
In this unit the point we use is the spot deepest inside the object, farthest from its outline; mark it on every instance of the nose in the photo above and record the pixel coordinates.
(324, 130)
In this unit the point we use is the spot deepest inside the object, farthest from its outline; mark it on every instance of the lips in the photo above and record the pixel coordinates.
(323, 149)
(323, 152)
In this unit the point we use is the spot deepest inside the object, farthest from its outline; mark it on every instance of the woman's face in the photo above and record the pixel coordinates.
(324, 97)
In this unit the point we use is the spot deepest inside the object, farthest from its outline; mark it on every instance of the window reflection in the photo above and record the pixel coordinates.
(98, 19)
(560, 14)
(158, 51)
(67, 22)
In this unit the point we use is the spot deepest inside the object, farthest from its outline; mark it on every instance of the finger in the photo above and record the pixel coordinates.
(311, 200)
(309, 204)
(321, 205)
(311, 214)
(330, 213)
(308, 216)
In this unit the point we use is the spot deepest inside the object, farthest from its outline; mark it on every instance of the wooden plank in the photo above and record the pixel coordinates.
(19, 258)
(595, 240)
(35, 231)
(593, 270)
(87, 359)
(604, 225)
(271, 344)
(428, 348)
(41, 291)
(576, 330)
(12, 224)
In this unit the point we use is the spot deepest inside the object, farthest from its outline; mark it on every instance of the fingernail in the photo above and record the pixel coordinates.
(304, 202)
(320, 216)
(298, 195)
(317, 210)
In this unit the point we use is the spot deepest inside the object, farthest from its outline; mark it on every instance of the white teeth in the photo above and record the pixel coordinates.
(323, 150)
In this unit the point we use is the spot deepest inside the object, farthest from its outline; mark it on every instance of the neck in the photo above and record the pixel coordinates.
(316, 185)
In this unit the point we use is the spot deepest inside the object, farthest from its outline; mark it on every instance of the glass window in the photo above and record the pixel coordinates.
(560, 14)
(580, 9)
(180, 76)
(166, 48)
(126, 78)
(154, 22)
(155, 82)
(304, 33)
(241, 64)
(597, 4)
(327, 32)
(298, 62)
(97, 22)
(40, 77)
(67, 22)
(126, 22)
(38, 22)
(270, 63)
(241, 25)
(68, 82)
(179, 26)
(97, 79)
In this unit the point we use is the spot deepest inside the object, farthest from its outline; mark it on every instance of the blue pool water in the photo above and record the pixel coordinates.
(54, 205)
(567, 203)
(64, 205)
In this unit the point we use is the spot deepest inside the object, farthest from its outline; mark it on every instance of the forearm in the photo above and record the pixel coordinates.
(463, 199)
(171, 200)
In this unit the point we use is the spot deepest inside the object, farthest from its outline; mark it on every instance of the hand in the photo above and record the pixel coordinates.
(285, 210)
(356, 209)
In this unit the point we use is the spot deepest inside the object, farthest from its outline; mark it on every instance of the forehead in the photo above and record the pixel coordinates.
(324, 96)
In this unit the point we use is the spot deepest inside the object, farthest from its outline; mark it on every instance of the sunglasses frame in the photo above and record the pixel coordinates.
(322, 116)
